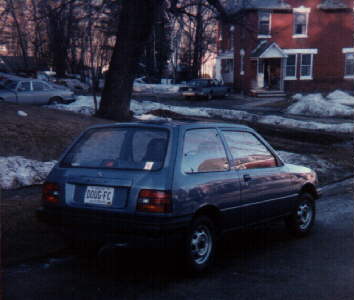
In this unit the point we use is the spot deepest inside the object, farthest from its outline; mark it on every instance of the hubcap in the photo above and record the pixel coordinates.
(201, 244)
(304, 215)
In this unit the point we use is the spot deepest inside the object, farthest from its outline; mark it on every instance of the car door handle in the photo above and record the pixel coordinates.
(247, 178)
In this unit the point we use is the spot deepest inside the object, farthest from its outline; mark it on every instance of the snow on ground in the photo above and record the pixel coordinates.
(156, 88)
(334, 105)
(84, 104)
(17, 171)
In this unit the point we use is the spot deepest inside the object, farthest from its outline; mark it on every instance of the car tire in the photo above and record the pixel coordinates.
(200, 245)
(2, 100)
(210, 96)
(55, 100)
(301, 221)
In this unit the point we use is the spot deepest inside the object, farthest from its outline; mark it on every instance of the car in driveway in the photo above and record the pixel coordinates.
(204, 88)
(174, 184)
(33, 91)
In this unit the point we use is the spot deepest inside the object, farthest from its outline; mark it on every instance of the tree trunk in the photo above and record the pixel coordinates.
(198, 43)
(134, 28)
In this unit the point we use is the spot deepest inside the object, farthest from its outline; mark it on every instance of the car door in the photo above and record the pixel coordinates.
(203, 177)
(24, 93)
(265, 182)
(41, 93)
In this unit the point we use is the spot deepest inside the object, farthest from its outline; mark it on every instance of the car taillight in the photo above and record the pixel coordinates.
(50, 192)
(154, 201)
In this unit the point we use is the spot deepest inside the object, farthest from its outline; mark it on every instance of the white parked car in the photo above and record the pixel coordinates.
(33, 91)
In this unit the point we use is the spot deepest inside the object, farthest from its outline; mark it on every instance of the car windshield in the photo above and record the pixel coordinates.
(198, 83)
(10, 84)
(135, 148)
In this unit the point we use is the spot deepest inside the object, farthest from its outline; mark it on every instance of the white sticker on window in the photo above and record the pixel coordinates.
(149, 165)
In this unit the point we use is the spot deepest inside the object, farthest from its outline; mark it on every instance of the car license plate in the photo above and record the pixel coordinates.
(99, 195)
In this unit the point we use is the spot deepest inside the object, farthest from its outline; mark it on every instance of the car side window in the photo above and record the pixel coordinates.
(39, 86)
(247, 151)
(203, 151)
(25, 86)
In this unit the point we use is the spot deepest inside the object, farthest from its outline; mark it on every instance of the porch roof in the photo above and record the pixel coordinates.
(268, 50)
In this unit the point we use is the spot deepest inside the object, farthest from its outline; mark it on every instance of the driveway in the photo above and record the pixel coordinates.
(259, 263)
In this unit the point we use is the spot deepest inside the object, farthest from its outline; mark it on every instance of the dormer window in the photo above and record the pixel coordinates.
(301, 18)
(264, 24)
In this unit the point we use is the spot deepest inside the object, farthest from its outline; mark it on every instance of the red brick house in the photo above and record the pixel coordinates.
(275, 46)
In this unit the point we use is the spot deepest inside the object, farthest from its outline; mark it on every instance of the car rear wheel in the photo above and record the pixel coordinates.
(210, 96)
(200, 244)
(301, 221)
(2, 100)
(55, 100)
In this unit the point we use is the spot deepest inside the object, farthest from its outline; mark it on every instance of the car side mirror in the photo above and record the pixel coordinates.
(21, 89)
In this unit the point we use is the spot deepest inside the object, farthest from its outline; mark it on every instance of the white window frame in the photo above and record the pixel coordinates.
(242, 62)
(347, 76)
(269, 35)
(307, 77)
(286, 66)
(306, 12)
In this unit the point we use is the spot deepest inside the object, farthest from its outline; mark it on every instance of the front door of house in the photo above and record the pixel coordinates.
(269, 75)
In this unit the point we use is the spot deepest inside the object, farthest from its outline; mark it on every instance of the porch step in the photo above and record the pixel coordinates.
(265, 94)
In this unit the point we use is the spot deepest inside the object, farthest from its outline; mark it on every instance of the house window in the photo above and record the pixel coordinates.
(291, 63)
(306, 66)
(349, 65)
(300, 24)
(264, 24)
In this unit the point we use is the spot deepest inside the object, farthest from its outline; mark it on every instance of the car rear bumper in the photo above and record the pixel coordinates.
(110, 228)
(193, 94)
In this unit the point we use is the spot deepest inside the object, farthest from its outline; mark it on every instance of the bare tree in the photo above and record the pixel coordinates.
(135, 26)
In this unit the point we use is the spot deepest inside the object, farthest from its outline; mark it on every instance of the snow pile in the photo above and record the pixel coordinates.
(312, 125)
(341, 97)
(156, 88)
(22, 113)
(297, 97)
(316, 105)
(83, 105)
(17, 171)
(150, 117)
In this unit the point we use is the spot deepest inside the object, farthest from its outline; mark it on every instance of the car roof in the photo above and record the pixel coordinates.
(174, 124)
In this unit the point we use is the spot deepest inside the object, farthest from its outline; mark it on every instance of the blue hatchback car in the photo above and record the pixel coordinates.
(174, 184)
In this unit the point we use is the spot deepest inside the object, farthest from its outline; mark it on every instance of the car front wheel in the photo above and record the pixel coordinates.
(200, 244)
(55, 100)
(301, 221)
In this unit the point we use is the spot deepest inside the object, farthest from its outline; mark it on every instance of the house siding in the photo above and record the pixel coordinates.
(328, 32)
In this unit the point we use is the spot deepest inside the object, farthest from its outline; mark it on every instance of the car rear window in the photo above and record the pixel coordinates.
(120, 148)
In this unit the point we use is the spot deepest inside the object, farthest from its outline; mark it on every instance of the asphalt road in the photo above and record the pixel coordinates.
(258, 263)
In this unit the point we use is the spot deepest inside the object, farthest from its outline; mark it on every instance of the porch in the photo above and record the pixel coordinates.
(270, 62)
